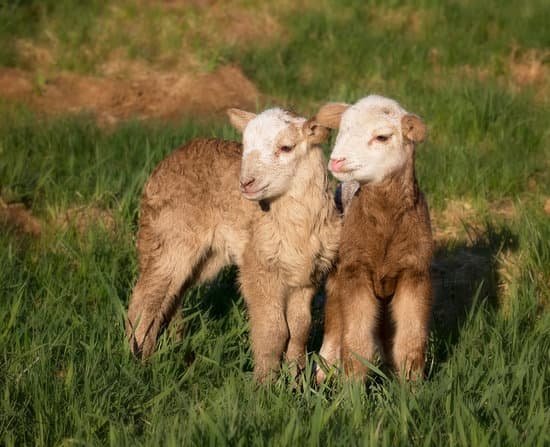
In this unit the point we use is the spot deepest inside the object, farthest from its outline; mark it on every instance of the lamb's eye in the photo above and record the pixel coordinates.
(382, 138)
(286, 148)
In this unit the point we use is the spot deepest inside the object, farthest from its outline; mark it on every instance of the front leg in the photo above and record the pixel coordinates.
(360, 316)
(411, 309)
(265, 298)
(298, 317)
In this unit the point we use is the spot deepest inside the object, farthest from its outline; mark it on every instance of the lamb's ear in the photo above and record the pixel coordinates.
(315, 133)
(239, 118)
(413, 128)
(330, 114)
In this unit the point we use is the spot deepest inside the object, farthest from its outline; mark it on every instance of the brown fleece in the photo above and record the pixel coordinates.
(194, 221)
(381, 287)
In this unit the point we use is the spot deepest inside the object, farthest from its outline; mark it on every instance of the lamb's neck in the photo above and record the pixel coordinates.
(310, 185)
(311, 176)
(398, 192)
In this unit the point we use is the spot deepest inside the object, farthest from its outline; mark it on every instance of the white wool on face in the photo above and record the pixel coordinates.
(361, 122)
(370, 113)
(262, 132)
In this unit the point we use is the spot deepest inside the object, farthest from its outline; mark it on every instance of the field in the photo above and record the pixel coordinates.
(93, 94)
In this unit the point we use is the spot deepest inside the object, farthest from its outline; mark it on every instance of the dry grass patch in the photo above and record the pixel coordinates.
(461, 220)
(452, 222)
(522, 69)
(529, 66)
(405, 18)
(509, 268)
(17, 217)
(85, 217)
(504, 209)
(33, 56)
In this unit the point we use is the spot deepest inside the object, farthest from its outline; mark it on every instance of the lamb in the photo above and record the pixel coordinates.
(379, 296)
(278, 225)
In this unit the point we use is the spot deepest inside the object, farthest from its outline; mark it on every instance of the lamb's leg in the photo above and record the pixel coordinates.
(333, 327)
(411, 307)
(264, 296)
(360, 314)
(155, 298)
(298, 317)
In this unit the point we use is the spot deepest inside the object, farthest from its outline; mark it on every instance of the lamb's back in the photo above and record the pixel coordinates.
(197, 185)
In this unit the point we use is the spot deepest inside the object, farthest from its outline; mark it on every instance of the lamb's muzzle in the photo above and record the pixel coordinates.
(337, 165)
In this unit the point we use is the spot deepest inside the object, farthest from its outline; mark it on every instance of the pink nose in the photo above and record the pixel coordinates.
(337, 164)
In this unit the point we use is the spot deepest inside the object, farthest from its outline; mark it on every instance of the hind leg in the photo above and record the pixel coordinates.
(156, 295)
(333, 326)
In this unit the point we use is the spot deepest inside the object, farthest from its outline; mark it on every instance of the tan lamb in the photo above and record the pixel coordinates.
(379, 297)
(264, 206)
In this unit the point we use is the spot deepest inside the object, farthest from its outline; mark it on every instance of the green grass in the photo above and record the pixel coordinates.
(66, 373)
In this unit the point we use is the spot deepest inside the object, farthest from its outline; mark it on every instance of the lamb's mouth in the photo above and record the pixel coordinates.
(343, 170)
(256, 194)
(345, 174)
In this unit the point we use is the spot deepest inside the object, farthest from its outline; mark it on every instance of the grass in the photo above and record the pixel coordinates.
(66, 374)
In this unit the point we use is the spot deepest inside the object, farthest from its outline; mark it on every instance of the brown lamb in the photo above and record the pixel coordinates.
(380, 294)
(264, 206)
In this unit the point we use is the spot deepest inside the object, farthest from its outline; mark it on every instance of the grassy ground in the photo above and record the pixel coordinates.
(477, 73)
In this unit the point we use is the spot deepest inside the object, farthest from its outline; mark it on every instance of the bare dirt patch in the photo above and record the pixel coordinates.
(143, 94)
(16, 216)
(15, 84)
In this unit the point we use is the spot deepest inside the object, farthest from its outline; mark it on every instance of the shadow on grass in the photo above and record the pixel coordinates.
(214, 299)
(465, 275)
(220, 295)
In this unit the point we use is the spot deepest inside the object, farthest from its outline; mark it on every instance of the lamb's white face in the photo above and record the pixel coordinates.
(369, 145)
(274, 143)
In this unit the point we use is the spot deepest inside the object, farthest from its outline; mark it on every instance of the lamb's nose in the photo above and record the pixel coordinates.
(336, 164)
(246, 183)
